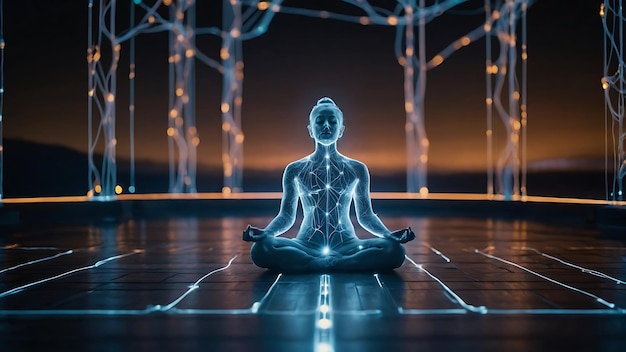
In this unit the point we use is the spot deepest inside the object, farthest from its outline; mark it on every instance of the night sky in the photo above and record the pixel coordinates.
(302, 59)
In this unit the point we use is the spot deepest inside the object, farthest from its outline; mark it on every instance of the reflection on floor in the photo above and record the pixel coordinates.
(188, 283)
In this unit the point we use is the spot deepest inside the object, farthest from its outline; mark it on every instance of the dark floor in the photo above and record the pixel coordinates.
(470, 285)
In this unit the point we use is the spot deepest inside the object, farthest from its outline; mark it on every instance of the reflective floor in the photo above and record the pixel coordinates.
(189, 284)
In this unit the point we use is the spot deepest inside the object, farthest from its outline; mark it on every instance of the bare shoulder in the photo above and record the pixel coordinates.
(295, 167)
(358, 167)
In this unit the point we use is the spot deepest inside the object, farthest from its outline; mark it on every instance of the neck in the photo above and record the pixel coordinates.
(321, 150)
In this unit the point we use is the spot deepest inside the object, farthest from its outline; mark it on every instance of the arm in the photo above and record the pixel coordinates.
(287, 213)
(365, 214)
(363, 204)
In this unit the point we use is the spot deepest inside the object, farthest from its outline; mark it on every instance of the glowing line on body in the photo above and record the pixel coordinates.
(584, 270)
(193, 287)
(97, 264)
(36, 261)
(597, 298)
(469, 307)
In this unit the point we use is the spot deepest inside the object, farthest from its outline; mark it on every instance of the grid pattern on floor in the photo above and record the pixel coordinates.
(188, 283)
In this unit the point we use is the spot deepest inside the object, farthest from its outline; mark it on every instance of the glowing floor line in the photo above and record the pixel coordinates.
(324, 340)
(17, 246)
(438, 253)
(256, 305)
(36, 261)
(97, 264)
(584, 270)
(194, 286)
(469, 307)
(597, 298)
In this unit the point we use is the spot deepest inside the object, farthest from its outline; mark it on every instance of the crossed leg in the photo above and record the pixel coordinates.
(356, 255)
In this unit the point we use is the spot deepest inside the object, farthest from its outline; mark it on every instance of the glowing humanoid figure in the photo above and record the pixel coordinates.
(326, 183)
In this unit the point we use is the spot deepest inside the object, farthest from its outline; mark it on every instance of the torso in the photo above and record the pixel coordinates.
(326, 187)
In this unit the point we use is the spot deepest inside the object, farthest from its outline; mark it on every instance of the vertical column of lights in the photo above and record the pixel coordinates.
(2, 45)
(489, 67)
(182, 132)
(324, 340)
(614, 86)
(102, 90)
(131, 100)
(238, 25)
(504, 27)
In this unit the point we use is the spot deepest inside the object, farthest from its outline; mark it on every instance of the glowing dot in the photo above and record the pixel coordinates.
(131, 75)
(327, 167)
(340, 172)
(524, 56)
(173, 113)
(360, 247)
(324, 323)
(190, 53)
(117, 48)
(326, 250)
(239, 138)
(437, 60)
(171, 131)
(489, 101)
(392, 20)
(276, 8)
(131, 189)
(324, 308)
(495, 14)
(167, 2)
(118, 189)
(516, 95)
(327, 214)
(151, 19)
(263, 5)
(225, 107)
(424, 158)
(225, 126)
(137, 2)
(487, 27)
(98, 188)
(226, 190)
(424, 191)
(465, 41)
(110, 97)
(364, 20)
(408, 106)
(489, 132)
(195, 141)
(327, 186)
(224, 54)
(179, 92)
(602, 10)
(90, 93)
(402, 61)
(324, 347)
(90, 193)
(326, 156)
(235, 33)
(425, 143)
(605, 84)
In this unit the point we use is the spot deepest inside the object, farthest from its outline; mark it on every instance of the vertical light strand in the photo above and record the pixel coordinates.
(524, 100)
(603, 8)
(131, 104)
(513, 100)
(621, 169)
(423, 144)
(189, 100)
(2, 45)
(90, 85)
(172, 113)
(489, 99)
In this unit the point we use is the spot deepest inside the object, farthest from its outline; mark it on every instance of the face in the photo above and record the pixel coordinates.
(326, 128)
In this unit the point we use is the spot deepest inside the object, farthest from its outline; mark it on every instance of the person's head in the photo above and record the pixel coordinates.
(326, 122)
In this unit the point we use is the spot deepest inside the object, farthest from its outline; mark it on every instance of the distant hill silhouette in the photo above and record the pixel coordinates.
(34, 169)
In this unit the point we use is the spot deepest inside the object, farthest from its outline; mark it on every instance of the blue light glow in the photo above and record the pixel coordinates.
(326, 183)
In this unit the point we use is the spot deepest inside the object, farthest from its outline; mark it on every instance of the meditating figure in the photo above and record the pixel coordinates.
(326, 183)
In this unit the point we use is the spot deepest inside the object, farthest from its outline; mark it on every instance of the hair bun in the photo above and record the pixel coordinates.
(325, 100)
